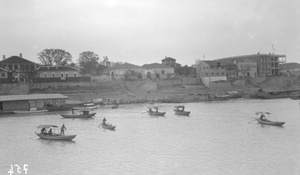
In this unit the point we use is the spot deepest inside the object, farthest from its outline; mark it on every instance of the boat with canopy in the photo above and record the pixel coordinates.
(53, 135)
(179, 110)
(156, 112)
(262, 119)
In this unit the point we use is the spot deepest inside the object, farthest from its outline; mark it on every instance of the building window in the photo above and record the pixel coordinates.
(16, 67)
(3, 74)
(74, 74)
(212, 73)
(217, 73)
(206, 74)
(62, 74)
(66, 74)
(45, 75)
(222, 73)
(53, 74)
(163, 72)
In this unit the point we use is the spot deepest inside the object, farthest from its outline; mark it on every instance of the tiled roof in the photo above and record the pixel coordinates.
(155, 65)
(31, 97)
(16, 60)
(58, 68)
(124, 66)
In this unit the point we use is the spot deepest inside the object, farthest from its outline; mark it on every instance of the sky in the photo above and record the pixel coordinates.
(145, 31)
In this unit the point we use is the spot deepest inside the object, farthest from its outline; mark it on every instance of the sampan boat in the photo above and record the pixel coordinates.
(268, 122)
(179, 110)
(56, 137)
(156, 113)
(265, 121)
(53, 136)
(182, 112)
(108, 126)
(84, 114)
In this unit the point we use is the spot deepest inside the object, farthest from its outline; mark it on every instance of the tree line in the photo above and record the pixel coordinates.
(90, 62)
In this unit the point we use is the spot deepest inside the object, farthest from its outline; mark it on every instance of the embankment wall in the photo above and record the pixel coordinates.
(14, 89)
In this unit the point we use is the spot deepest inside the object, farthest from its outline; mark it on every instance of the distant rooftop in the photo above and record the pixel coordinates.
(124, 66)
(155, 65)
(16, 60)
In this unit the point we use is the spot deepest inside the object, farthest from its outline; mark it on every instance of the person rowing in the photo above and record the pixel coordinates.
(263, 117)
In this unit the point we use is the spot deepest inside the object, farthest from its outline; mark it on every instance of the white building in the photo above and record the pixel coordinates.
(158, 71)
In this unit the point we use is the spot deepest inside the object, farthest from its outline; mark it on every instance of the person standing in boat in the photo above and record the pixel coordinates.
(263, 117)
(62, 129)
(104, 120)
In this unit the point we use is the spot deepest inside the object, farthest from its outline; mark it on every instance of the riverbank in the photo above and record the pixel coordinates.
(149, 91)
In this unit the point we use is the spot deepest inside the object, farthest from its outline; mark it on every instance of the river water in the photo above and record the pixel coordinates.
(216, 138)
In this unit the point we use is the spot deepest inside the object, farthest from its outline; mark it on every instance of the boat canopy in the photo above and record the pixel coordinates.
(47, 126)
(260, 113)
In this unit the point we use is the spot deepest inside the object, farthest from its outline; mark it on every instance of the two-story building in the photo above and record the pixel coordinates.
(266, 64)
(158, 71)
(18, 67)
(211, 71)
(169, 61)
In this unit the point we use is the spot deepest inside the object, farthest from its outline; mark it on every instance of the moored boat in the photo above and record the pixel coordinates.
(53, 136)
(58, 108)
(84, 114)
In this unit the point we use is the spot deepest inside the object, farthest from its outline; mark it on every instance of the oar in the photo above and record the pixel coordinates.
(252, 121)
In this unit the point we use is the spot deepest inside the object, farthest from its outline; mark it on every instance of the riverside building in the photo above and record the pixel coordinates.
(266, 64)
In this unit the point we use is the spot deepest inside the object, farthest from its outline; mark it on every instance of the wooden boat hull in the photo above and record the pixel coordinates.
(78, 116)
(85, 107)
(107, 126)
(156, 113)
(270, 122)
(56, 137)
(182, 112)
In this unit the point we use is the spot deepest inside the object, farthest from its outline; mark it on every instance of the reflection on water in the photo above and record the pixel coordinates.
(217, 138)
